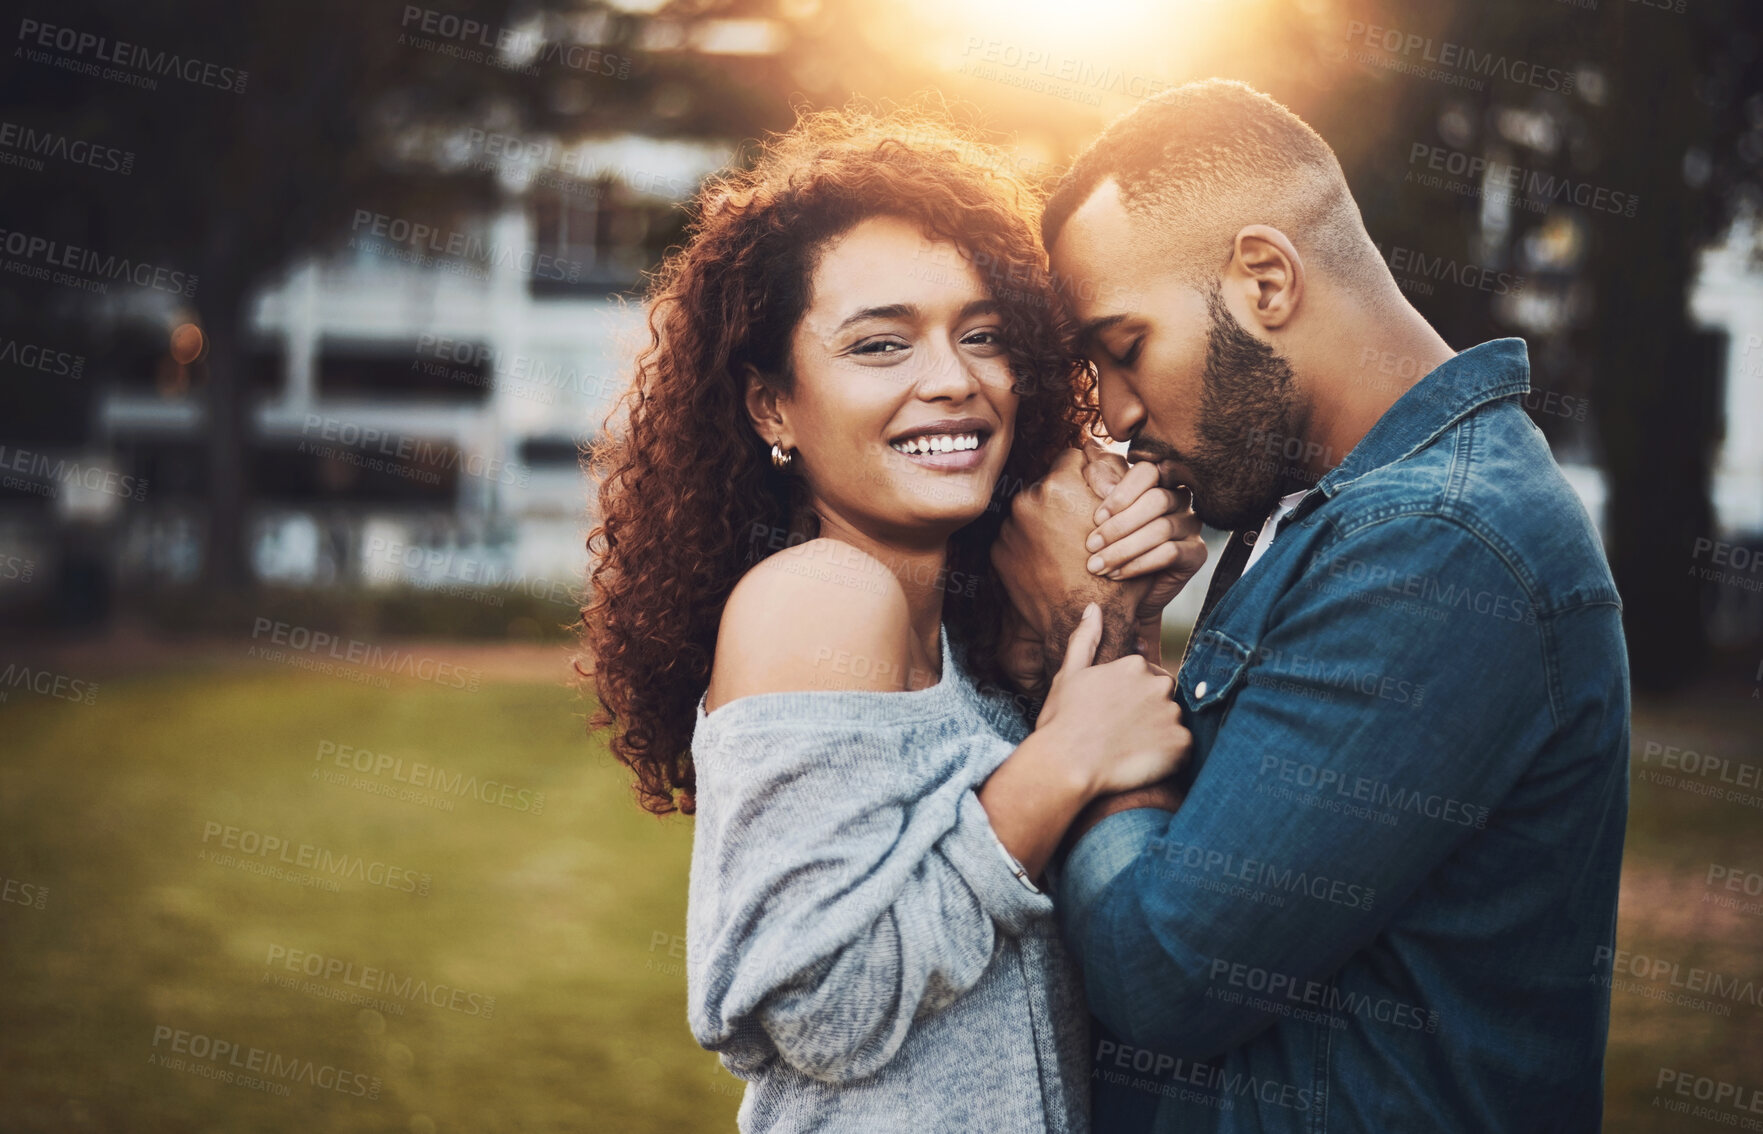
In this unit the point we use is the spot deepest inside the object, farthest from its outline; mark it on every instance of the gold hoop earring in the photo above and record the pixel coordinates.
(780, 460)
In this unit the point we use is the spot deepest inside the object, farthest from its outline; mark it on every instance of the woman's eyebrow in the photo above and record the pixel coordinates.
(888, 311)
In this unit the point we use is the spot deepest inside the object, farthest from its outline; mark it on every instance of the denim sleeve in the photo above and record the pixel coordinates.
(1399, 690)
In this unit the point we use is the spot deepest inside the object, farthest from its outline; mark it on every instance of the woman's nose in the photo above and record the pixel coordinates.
(945, 374)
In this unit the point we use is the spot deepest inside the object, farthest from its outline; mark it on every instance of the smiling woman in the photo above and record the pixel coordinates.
(821, 292)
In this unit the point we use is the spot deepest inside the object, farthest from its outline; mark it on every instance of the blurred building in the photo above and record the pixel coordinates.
(421, 398)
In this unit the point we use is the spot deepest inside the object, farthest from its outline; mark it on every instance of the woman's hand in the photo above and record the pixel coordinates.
(1137, 739)
(1141, 529)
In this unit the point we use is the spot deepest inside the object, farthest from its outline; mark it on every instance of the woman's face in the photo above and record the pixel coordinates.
(903, 407)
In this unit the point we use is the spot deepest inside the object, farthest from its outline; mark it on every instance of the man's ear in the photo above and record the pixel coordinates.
(1266, 267)
(765, 412)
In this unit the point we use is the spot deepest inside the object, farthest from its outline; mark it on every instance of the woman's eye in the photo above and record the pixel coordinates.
(880, 346)
(989, 339)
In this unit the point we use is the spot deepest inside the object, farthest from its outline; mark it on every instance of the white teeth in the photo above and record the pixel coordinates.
(940, 443)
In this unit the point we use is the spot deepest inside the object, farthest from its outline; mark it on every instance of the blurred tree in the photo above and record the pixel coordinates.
(232, 186)
(1665, 106)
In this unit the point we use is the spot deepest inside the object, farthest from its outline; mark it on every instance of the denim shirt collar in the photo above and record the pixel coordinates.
(1452, 391)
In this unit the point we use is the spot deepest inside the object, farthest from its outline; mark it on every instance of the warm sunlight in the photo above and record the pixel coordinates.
(1105, 53)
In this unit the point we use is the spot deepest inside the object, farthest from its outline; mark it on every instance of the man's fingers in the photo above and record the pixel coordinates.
(1139, 479)
(1102, 468)
(1104, 471)
(1144, 542)
(1165, 556)
(1157, 502)
(1080, 648)
(1182, 558)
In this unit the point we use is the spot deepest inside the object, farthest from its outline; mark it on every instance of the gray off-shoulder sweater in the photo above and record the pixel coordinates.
(860, 947)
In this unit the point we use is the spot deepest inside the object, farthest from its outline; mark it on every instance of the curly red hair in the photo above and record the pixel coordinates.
(685, 482)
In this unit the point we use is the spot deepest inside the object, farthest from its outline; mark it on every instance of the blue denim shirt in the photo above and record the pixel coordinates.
(1388, 901)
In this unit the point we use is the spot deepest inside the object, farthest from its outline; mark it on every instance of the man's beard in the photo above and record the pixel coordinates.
(1248, 410)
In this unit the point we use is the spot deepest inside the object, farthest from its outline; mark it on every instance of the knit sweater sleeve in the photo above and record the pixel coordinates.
(845, 881)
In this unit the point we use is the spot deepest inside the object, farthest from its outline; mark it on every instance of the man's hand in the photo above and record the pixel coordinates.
(1142, 527)
(1040, 558)
(1020, 654)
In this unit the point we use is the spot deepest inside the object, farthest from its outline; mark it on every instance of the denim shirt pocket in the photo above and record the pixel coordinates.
(1213, 669)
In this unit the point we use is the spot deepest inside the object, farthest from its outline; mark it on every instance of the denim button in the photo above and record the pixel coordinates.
(1200, 689)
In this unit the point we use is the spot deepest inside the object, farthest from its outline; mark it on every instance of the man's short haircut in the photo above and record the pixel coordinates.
(1201, 161)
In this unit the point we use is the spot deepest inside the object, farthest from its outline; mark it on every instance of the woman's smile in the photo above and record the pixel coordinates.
(948, 445)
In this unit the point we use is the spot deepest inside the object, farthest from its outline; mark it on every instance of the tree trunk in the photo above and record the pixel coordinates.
(1656, 399)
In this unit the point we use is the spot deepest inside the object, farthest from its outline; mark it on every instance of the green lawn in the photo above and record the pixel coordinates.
(566, 917)
(569, 916)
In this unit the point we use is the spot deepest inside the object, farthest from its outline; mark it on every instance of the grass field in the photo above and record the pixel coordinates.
(569, 918)
(150, 946)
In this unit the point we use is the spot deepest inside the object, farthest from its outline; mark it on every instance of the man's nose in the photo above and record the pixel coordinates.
(1122, 412)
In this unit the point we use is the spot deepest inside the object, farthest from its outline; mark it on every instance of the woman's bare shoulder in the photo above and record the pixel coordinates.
(817, 616)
